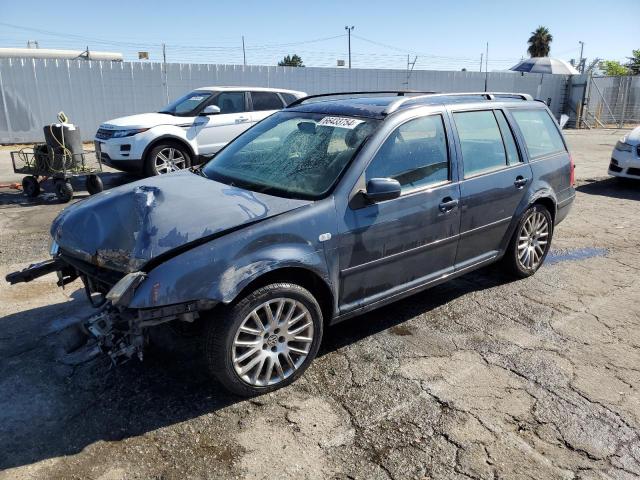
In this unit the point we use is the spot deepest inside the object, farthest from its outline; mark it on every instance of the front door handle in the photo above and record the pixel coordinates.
(520, 181)
(448, 204)
(242, 119)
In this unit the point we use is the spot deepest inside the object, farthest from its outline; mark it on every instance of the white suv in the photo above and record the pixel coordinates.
(188, 130)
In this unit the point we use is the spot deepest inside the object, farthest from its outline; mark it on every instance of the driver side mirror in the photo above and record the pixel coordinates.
(381, 189)
(210, 110)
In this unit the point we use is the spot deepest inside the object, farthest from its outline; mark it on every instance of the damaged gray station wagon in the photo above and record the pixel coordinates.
(322, 211)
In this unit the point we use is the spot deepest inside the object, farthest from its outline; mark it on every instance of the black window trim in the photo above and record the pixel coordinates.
(536, 158)
(513, 135)
(423, 188)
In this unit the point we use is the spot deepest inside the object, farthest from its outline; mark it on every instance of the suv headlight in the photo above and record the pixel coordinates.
(128, 133)
(623, 147)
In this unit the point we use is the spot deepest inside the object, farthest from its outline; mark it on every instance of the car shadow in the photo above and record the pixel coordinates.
(622, 188)
(48, 196)
(50, 409)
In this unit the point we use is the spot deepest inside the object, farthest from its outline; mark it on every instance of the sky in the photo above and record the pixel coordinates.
(442, 35)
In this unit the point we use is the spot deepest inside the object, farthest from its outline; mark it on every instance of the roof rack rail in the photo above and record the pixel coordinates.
(399, 93)
(392, 107)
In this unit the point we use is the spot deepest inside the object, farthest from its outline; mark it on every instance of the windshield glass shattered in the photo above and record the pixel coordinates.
(186, 105)
(293, 154)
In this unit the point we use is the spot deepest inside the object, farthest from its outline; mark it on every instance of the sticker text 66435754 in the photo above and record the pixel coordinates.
(340, 122)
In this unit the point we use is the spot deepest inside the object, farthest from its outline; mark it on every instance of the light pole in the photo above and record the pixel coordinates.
(580, 65)
(348, 29)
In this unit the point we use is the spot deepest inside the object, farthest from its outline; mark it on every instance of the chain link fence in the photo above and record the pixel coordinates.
(610, 102)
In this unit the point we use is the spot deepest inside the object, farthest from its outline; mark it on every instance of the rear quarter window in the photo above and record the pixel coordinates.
(539, 131)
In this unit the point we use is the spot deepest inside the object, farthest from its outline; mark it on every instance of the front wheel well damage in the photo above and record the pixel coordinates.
(299, 276)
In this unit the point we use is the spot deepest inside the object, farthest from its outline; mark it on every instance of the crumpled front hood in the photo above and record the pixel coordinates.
(125, 227)
(144, 120)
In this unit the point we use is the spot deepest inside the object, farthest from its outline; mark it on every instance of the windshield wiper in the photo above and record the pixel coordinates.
(198, 170)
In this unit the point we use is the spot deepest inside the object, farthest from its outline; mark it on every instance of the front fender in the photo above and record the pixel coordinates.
(220, 269)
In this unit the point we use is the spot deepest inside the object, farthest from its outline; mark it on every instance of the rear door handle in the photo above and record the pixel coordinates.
(448, 204)
(520, 181)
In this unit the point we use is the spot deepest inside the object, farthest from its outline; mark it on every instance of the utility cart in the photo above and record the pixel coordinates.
(59, 159)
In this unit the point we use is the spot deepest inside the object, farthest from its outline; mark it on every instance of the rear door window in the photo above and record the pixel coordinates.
(481, 140)
(539, 131)
(266, 101)
(415, 154)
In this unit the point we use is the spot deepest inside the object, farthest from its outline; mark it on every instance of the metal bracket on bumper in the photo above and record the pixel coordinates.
(35, 270)
(118, 334)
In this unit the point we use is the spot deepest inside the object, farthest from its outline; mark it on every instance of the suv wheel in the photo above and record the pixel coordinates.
(166, 158)
(530, 243)
(266, 340)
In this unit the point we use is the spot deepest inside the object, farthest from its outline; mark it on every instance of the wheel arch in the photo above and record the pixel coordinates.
(304, 277)
(549, 203)
(168, 139)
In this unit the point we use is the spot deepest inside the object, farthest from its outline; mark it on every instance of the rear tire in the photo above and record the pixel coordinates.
(31, 186)
(251, 352)
(64, 190)
(166, 158)
(530, 243)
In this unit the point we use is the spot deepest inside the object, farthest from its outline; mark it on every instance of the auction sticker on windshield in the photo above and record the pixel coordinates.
(340, 122)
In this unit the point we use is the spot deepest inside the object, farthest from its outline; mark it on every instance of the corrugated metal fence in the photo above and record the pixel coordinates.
(33, 91)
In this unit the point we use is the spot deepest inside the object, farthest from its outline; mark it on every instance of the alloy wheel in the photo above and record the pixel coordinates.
(169, 160)
(533, 240)
(272, 342)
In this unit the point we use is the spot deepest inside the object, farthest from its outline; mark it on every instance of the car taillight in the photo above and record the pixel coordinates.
(572, 172)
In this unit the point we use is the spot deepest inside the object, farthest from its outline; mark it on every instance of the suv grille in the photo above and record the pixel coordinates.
(104, 134)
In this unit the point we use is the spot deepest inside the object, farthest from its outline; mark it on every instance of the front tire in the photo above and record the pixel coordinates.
(530, 243)
(265, 341)
(166, 158)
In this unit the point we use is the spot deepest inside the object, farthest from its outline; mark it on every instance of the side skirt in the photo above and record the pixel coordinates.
(414, 290)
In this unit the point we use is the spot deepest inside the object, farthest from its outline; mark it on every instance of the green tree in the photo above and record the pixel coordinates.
(613, 68)
(540, 42)
(634, 62)
(291, 61)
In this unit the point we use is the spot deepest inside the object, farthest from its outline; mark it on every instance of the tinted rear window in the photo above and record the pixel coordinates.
(540, 132)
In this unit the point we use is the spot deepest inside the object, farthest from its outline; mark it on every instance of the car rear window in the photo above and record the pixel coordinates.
(540, 132)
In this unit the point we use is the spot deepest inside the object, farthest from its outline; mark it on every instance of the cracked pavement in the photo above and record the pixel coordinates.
(479, 378)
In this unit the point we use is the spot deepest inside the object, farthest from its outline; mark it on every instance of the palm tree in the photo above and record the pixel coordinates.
(540, 42)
